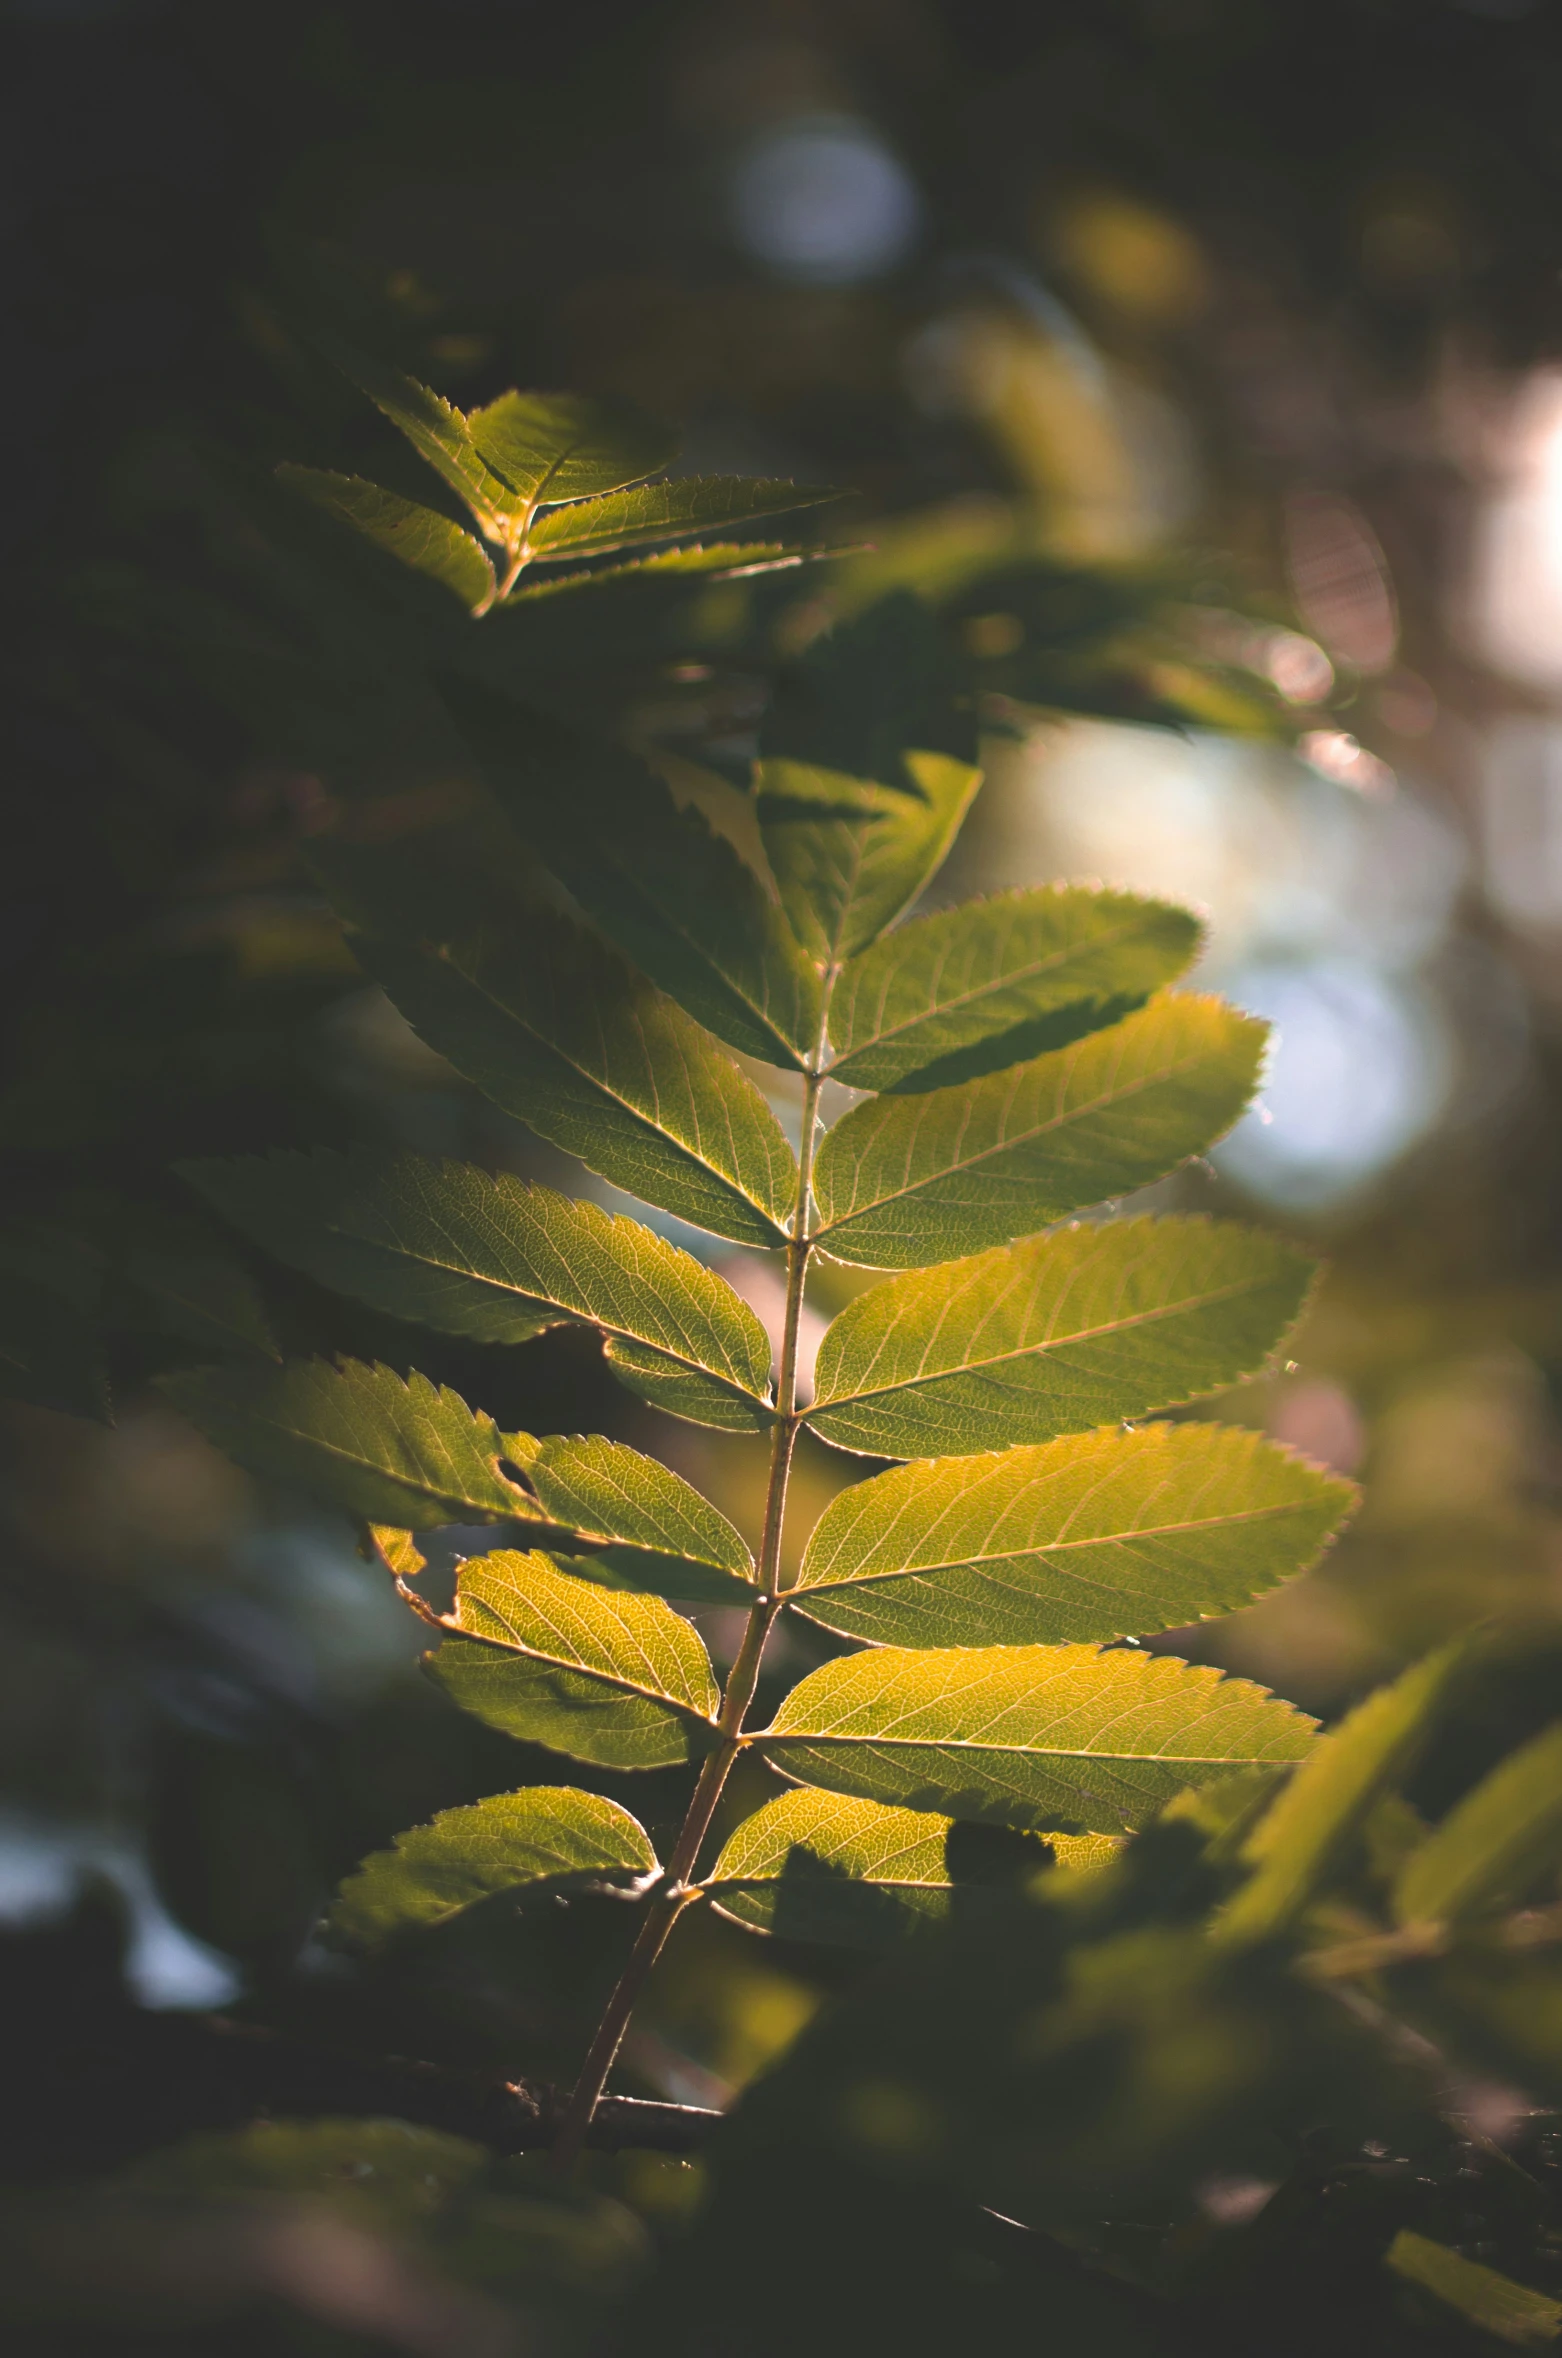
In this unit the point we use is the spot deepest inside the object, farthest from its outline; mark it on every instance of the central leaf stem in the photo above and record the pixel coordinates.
(676, 1889)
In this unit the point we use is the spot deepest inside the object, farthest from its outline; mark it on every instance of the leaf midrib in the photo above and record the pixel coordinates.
(1040, 1751)
(416, 1482)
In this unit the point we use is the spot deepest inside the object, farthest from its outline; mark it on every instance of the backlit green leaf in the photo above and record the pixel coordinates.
(564, 446)
(417, 536)
(659, 881)
(903, 1180)
(1107, 1535)
(457, 1249)
(596, 1673)
(1044, 1736)
(1497, 1846)
(558, 1031)
(848, 854)
(972, 990)
(821, 1866)
(728, 560)
(664, 511)
(435, 1872)
(644, 1525)
(387, 1450)
(1056, 1335)
(437, 432)
(1298, 1845)
(1512, 2312)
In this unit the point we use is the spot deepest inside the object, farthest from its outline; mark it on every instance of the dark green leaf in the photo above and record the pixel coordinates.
(457, 1249)
(417, 536)
(1045, 1736)
(905, 1180)
(728, 560)
(596, 1673)
(1055, 1336)
(875, 684)
(564, 446)
(673, 894)
(383, 1449)
(200, 1292)
(971, 990)
(50, 1353)
(848, 854)
(665, 511)
(1107, 1535)
(559, 1032)
(435, 1872)
(1498, 1845)
(645, 1527)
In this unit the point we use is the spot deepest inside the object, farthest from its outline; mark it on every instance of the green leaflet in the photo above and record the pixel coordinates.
(1103, 1536)
(728, 560)
(1042, 1736)
(555, 1029)
(1496, 1847)
(822, 1866)
(562, 446)
(596, 1673)
(435, 1872)
(416, 536)
(672, 893)
(457, 1249)
(849, 855)
(437, 432)
(665, 511)
(645, 1526)
(905, 1179)
(1483, 2298)
(1298, 1844)
(389, 1451)
(971, 990)
(1056, 1335)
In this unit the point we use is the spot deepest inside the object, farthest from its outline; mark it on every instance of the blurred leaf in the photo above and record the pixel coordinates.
(1512, 2312)
(437, 1871)
(387, 2173)
(558, 1032)
(1104, 1536)
(905, 1179)
(199, 1291)
(1042, 1736)
(1302, 1840)
(876, 684)
(1055, 1335)
(971, 990)
(564, 446)
(645, 1525)
(665, 511)
(849, 855)
(1496, 1847)
(673, 894)
(610, 1677)
(416, 536)
(467, 1253)
(50, 1354)
(386, 1450)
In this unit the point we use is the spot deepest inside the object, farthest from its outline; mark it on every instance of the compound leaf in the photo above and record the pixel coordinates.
(565, 446)
(416, 536)
(1297, 1845)
(664, 511)
(673, 894)
(1056, 1335)
(434, 1872)
(968, 991)
(644, 1525)
(1103, 1536)
(437, 432)
(903, 1180)
(457, 1249)
(823, 1866)
(384, 1449)
(848, 854)
(1042, 1736)
(558, 1031)
(1496, 1846)
(597, 1673)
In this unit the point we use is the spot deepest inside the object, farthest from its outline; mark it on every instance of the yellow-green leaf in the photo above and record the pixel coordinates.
(1066, 1737)
(1496, 1847)
(665, 511)
(904, 1180)
(544, 1833)
(1108, 1535)
(972, 990)
(848, 854)
(468, 1253)
(1483, 2298)
(1054, 1336)
(565, 446)
(416, 536)
(644, 1525)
